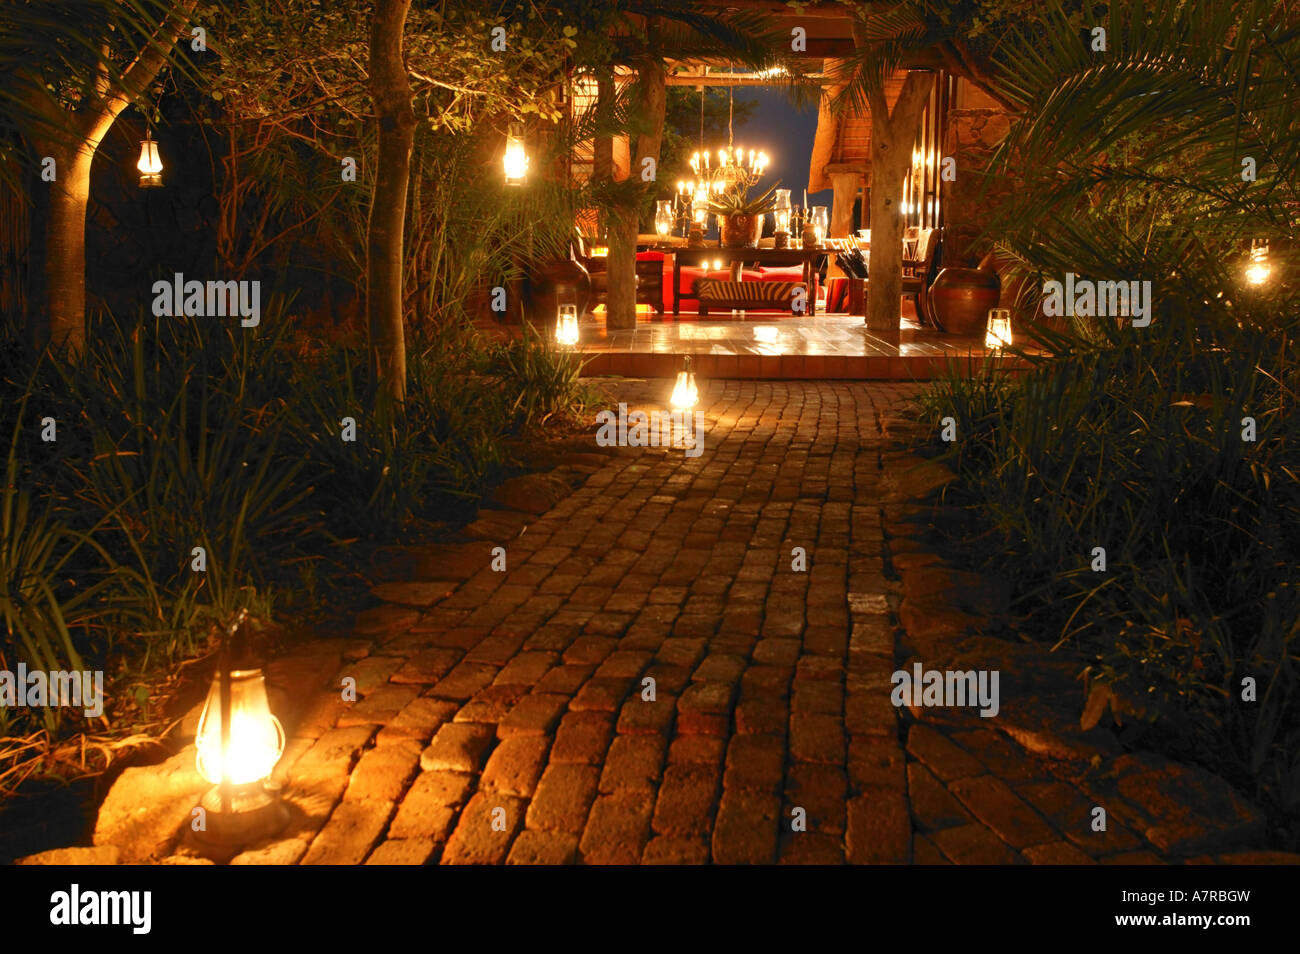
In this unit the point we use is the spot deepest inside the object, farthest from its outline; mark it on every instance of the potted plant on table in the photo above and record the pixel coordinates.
(740, 218)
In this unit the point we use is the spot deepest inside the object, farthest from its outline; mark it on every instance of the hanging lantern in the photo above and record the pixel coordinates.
(516, 157)
(238, 744)
(1258, 270)
(150, 165)
(685, 393)
(566, 326)
(998, 334)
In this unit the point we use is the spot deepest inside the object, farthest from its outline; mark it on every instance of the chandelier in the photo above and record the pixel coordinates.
(736, 169)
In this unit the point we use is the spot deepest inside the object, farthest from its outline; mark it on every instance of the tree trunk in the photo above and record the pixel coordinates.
(65, 253)
(651, 104)
(892, 138)
(391, 92)
(72, 139)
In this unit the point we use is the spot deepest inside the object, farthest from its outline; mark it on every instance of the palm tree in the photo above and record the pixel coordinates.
(1165, 156)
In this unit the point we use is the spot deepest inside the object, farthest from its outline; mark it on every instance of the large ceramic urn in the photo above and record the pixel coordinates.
(960, 299)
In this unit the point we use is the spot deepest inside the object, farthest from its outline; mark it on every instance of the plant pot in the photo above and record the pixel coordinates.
(960, 299)
(741, 231)
(555, 283)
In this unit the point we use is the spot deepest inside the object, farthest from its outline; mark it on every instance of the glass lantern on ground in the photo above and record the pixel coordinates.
(237, 746)
(150, 165)
(516, 156)
(686, 394)
(664, 218)
(566, 326)
(256, 739)
(998, 333)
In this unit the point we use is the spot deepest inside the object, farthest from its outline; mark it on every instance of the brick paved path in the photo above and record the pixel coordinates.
(505, 719)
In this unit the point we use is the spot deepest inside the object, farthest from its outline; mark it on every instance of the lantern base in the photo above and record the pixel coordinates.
(256, 812)
(151, 182)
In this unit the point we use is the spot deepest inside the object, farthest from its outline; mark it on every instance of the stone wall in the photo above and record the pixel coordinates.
(972, 135)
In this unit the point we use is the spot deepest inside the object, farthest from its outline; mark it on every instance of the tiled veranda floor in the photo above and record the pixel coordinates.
(773, 346)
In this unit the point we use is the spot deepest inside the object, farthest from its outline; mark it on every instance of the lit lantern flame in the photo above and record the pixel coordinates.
(150, 165)
(566, 328)
(1258, 270)
(664, 217)
(256, 736)
(820, 220)
(685, 393)
(516, 157)
(998, 334)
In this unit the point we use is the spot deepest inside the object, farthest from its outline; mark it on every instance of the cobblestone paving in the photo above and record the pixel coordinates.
(503, 717)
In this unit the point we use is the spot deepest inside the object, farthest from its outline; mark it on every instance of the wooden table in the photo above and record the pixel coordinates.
(807, 257)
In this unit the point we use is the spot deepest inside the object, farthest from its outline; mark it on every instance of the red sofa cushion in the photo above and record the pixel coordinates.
(782, 273)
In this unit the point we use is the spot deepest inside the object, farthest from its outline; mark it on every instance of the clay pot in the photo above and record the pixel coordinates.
(960, 299)
(741, 231)
(551, 284)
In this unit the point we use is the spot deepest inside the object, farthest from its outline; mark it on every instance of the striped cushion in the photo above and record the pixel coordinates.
(743, 294)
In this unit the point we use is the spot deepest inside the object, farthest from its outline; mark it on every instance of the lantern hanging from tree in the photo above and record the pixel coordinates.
(150, 165)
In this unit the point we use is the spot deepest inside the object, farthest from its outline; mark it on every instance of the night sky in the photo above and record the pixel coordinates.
(787, 135)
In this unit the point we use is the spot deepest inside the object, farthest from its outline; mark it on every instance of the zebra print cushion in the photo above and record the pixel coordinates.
(742, 294)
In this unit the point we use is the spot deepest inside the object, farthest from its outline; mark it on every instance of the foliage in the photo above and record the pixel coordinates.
(177, 433)
(739, 202)
(1136, 439)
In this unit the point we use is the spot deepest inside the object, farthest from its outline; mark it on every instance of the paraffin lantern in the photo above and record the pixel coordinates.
(256, 738)
(821, 222)
(664, 217)
(998, 334)
(781, 210)
(516, 157)
(150, 165)
(1258, 270)
(566, 326)
(685, 393)
(238, 744)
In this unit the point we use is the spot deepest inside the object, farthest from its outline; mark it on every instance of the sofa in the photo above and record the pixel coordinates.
(690, 274)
